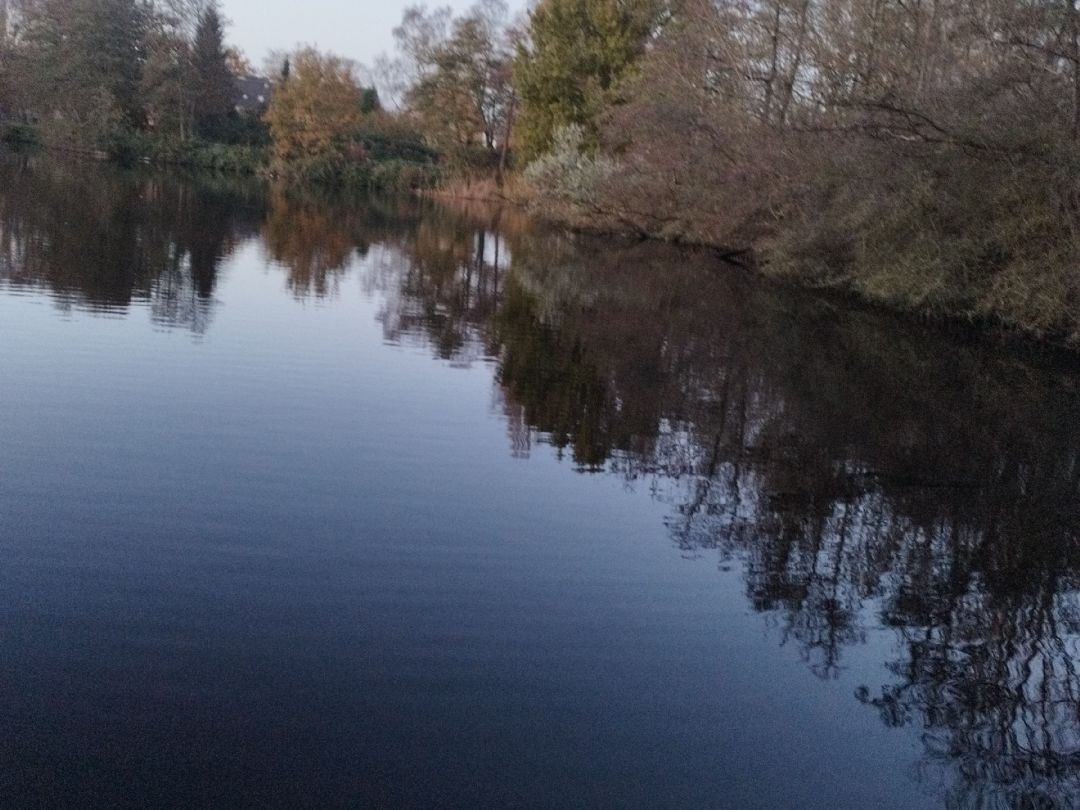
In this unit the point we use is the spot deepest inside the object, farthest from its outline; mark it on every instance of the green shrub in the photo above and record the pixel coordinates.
(134, 147)
(127, 147)
(954, 235)
(567, 179)
(408, 147)
(364, 175)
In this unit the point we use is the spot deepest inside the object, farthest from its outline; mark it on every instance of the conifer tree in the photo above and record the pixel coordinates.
(213, 81)
(578, 51)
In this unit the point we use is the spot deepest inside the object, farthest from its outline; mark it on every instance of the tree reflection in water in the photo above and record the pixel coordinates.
(102, 241)
(859, 473)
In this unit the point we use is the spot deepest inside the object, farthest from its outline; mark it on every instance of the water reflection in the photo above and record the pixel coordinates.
(102, 241)
(315, 248)
(861, 475)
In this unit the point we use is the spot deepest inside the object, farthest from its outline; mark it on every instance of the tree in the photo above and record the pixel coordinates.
(419, 36)
(316, 110)
(213, 88)
(81, 62)
(238, 63)
(166, 86)
(576, 54)
(369, 101)
(5, 58)
(459, 77)
(455, 99)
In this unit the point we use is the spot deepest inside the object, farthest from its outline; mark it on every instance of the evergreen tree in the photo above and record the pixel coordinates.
(82, 63)
(578, 52)
(214, 90)
(370, 101)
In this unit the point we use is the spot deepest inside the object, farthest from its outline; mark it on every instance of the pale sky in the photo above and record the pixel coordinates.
(357, 29)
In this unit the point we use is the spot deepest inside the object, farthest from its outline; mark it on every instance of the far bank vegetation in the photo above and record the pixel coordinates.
(923, 154)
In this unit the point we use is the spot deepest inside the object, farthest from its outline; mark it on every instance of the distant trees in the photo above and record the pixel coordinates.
(316, 107)
(212, 80)
(461, 90)
(166, 78)
(88, 70)
(83, 60)
(187, 82)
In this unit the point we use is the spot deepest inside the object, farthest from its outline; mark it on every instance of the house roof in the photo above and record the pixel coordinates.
(252, 92)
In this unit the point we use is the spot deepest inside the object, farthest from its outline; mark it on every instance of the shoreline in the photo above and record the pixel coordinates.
(956, 325)
(514, 194)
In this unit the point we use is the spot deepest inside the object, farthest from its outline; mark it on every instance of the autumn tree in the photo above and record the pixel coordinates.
(416, 39)
(463, 96)
(237, 62)
(317, 108)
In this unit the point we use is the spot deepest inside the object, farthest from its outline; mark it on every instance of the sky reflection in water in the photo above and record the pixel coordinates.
(338, 502)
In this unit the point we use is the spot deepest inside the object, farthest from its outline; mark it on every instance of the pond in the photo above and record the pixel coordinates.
(325, 502)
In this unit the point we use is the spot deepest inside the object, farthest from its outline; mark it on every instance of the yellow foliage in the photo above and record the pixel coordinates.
(316, 108)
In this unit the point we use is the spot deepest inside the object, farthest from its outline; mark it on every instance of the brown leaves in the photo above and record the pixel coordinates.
(316, 109)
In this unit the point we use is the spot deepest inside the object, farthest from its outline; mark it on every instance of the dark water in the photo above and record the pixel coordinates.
(312, 503)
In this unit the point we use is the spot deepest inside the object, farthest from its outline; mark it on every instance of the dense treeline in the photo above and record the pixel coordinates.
(921, 154)
(157, 81)
(87, 71)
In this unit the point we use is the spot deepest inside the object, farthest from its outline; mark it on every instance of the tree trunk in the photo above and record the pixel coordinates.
(870, 67)
(800, 45)
(1074, 32)
(770, 81)
(505, 145)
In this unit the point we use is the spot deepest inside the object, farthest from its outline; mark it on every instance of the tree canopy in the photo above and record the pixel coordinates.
(576, 53)
(461, 88)
(212, 80)
(84, 59)
(316, 108)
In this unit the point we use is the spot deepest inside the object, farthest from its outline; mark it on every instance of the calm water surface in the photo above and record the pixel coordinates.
(323, 503)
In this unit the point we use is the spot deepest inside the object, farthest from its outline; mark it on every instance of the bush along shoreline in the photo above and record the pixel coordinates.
(810, 253)
(129, 149)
